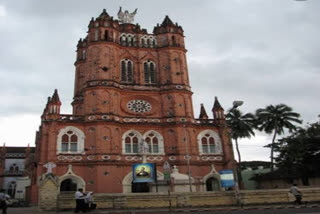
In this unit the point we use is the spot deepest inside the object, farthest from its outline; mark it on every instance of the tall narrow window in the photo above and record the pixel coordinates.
(106, 34)
(149, 72)
(96, 35)
(153, 143)
(126, 71)
(174, 42)
(83, 54)
(131, 142)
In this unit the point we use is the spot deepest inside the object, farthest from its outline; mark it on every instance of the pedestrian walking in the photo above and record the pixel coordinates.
(3, 201)
(89, 202)
(80, 204)
(297, 194)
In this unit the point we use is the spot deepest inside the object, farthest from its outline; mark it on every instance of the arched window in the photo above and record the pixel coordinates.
(208, 145)
(68, 185)
(14, 168)
(209, 142)
(154, 141)
(126, 71)
(106, 35)
(83, 54)
(70, 140)
(123, 39)
(96, 35)
(149, 72)
(131, 141)
(143, 42)
(174, 42)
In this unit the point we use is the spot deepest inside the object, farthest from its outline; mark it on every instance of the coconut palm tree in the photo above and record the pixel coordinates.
(241, 126)
(275, 119)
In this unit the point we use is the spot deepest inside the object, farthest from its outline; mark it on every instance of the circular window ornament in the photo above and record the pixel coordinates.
(139, 106)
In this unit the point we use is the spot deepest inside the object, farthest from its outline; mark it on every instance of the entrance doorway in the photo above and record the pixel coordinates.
(140, 187)
(68, 185)
(213, 184)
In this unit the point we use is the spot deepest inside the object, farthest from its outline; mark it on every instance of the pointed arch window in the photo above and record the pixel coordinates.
(209, 142)
(131, 142)
(126, 71)
(153, 143)
(70, 140)
(149, 68)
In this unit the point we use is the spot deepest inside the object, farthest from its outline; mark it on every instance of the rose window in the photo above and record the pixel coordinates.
(139, 106)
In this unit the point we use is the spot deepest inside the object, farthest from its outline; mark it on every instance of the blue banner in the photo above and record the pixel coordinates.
(227, 178)
(143, 172)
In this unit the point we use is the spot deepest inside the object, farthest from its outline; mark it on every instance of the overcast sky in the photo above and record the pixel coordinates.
(259, 51)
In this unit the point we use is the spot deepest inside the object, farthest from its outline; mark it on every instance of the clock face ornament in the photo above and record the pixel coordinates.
(139, 106)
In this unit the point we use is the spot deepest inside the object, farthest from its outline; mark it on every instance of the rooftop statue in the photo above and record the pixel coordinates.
(126, 17)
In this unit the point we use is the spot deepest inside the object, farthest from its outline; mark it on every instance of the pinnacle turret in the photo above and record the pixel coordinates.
(203, 113)
(217, 110)
(167, 26)
(55, 97)
(52, 106)
(167, 22)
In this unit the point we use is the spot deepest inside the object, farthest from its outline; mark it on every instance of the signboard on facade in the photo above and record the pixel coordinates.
(144, 172)
(227, 178)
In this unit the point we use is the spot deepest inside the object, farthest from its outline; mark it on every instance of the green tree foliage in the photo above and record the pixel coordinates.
(275, 119)
(299, 153)
(241, 126)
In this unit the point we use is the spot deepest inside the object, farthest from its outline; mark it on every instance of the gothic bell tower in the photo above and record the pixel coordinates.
(123, 71)
(131, 90)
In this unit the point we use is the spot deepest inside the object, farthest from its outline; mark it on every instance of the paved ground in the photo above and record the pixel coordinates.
(281, 209)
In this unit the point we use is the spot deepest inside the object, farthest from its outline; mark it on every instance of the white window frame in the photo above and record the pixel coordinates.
(80, 143)
(149, 62)
(217, 141)
(160, 142)
(138, 135)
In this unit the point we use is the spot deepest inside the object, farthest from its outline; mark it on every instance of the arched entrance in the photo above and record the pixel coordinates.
(68, 185)
(140, 187)
(128, 186)
(71, 181)
(212, 184)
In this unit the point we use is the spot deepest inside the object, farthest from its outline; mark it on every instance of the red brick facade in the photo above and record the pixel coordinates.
(130, 86)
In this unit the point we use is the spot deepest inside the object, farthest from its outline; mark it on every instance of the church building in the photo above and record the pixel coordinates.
(131, 91)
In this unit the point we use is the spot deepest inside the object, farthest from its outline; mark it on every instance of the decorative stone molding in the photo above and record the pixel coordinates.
(71, 175)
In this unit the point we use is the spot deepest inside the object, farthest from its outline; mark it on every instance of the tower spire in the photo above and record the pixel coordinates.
(203, 113)
(217, 110)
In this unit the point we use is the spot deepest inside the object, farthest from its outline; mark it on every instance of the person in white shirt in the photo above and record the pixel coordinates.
(89, 201)
(80, 205)
(3, 201)
(297, 194)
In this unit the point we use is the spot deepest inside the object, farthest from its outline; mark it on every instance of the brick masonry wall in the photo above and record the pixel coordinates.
(197, 199)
